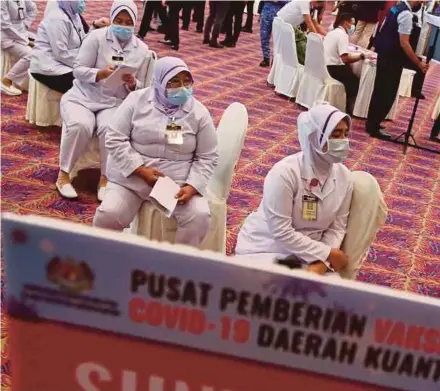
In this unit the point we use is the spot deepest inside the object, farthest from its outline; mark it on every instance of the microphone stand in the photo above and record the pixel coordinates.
(408, 134)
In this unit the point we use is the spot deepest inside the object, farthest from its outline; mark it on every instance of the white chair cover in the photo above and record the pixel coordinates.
(436, 110)
(366, 86)
(289, 71)
(406, 82)
(91, 157)
(43, 104)
(7, 63)
(232, 129)
(276, 32)
(316, 83)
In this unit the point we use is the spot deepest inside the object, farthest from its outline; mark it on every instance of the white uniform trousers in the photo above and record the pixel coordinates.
(368, 212)
(79, 124)
(121, 205)
(19, 73)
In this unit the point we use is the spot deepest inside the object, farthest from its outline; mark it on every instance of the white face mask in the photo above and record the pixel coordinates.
(338, 149)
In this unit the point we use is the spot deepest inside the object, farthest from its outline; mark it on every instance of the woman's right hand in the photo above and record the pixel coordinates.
(149, 175)
(104, 73)
(337, 259)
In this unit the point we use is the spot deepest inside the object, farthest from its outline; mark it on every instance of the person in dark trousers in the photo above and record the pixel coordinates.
(232, 23)
(198, 9)
(172, 37)
(338, 57)
(151, 7)
(247, 28)
(393, 45)
(217, 14)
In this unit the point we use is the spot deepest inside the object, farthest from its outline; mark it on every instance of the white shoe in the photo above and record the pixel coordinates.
(67, 191)
(9, 90)
(101, 193)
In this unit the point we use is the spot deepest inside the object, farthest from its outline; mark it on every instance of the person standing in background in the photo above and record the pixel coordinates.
(247, 28)
(172, 37)
(393, 45)
(152, 6)
(268, 13)
(232, 23)
(367, 16)
(16, 18)
(217, 14)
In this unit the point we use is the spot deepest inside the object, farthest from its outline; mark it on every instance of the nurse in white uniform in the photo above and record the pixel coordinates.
(16, 18)
(59, 37)
(90, 104)
(162, 130)
(306, 198)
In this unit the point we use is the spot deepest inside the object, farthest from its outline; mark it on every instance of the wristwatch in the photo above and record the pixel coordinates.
(362, 56)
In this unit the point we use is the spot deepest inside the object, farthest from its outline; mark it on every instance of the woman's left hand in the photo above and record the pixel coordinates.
(317, 267)
(101, 22)
(185, 194)
(129, 80)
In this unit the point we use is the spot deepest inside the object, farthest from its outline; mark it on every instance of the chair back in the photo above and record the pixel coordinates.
(315, 62)
(288, 45)
(276, 31)
(231, 133)
(151, 65)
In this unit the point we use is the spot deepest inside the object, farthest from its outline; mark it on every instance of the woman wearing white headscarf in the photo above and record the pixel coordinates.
(306, 199)
(161, 131)
(91, 102)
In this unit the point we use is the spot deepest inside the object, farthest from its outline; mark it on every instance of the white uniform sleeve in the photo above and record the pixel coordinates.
(278, 198)
(343, 44)
(31, 13)
(6, 25)
(85, 62)
(117, 138)
(58, 33)
(206, 155)
(335, 234)
(405, 22)
(304, 6)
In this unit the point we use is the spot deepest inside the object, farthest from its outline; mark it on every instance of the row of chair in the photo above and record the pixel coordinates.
(312, 82)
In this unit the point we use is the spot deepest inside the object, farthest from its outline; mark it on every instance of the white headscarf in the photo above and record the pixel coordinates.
(124, 5)
(314, 129)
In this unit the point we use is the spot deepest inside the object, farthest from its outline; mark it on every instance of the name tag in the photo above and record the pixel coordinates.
(117, 60)
(310, 207)
(173, 134)
(21, 13)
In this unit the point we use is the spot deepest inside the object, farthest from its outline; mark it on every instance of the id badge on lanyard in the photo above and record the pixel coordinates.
(20, 13)
(173, 133)
(118, 60)
(309, 207)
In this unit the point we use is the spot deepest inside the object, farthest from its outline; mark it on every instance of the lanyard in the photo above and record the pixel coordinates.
(74, 27)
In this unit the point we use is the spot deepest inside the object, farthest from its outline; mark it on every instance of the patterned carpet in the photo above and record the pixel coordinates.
(406, 253)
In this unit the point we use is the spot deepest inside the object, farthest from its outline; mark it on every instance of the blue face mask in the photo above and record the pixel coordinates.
(351, 29)
(80, 8)
(178, 96)
(123, 33)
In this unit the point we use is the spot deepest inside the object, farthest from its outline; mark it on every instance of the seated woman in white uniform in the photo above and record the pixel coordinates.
(306, 197)
(16, 18)
(142, 146)
(59, 37)
(90, 103)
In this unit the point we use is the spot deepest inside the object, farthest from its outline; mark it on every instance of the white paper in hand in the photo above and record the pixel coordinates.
(114, 81)
(163, 195)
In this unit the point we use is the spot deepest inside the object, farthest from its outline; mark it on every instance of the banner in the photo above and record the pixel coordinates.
(277, 323)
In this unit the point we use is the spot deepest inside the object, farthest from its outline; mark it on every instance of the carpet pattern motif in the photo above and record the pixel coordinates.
(406, 253)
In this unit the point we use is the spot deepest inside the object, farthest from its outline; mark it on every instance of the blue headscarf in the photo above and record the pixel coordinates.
(69, 6)
(164, 70)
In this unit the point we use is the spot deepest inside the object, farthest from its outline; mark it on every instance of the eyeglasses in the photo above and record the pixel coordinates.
(176, 83)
